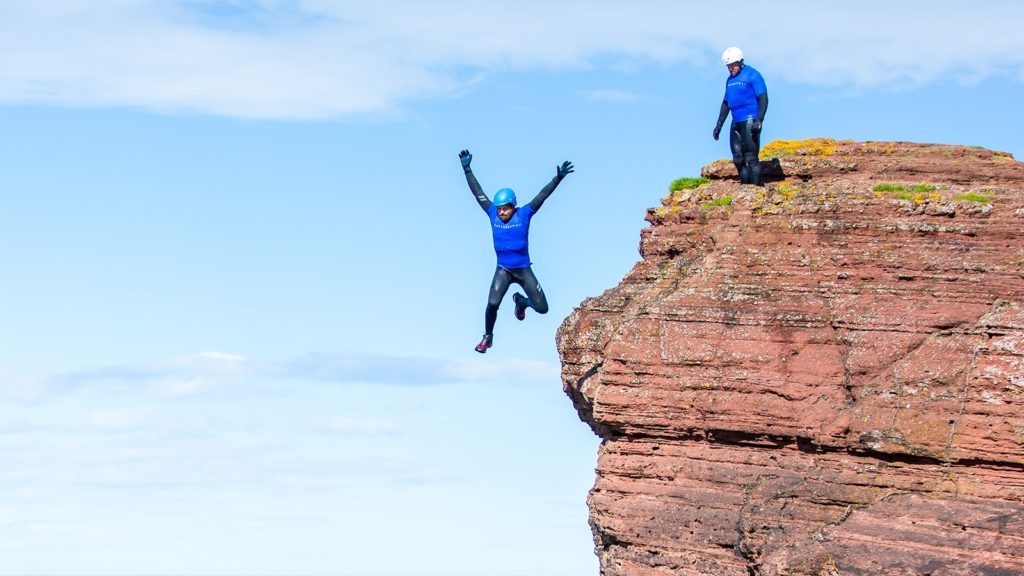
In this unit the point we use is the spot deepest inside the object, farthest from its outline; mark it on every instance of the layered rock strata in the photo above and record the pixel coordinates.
(822, 376)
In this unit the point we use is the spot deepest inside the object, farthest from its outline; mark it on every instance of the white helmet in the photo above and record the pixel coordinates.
(732, 54)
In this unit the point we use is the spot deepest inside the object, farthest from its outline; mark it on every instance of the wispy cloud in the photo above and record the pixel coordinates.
(174, 377)
(209, 371)
(333, 58)
(409, 371)
(119, 420)
(348, 425)
(611, 96)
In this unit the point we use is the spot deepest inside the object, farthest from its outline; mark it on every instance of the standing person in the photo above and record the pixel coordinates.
(510, 228)
(746, 97)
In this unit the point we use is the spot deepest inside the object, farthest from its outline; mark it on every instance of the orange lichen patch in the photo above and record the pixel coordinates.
(921, 198)
(808, 147)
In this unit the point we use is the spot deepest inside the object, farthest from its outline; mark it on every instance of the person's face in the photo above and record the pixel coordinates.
(505, 212)
(734, 68)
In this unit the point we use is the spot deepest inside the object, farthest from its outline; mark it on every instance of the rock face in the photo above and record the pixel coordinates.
(823, 376)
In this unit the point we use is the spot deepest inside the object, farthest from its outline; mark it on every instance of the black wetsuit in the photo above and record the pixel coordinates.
(505, 276)
(745, 142)
(745, 137)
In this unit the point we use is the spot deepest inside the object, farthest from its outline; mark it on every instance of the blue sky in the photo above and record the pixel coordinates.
(244, 275)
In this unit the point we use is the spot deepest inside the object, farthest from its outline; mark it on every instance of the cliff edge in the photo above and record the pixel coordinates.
(822, 376)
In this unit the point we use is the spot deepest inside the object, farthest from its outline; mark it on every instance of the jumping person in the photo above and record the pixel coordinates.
(510, 227)
(746, 97)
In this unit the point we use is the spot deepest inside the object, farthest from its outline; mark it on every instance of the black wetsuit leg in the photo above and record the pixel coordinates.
(499, 286)
(754, 155)
(746, 145)
(503, 278)
(535, 297)
(736, 145)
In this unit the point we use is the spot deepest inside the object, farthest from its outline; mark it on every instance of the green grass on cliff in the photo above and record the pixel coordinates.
(972, 197)
(723, 201)
(687, 184)
(889, 188)
(916, 188)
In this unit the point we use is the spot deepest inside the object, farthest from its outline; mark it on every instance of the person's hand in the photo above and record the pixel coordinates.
(756, 126)
(716, 132)
(565, 169)
(466, 158)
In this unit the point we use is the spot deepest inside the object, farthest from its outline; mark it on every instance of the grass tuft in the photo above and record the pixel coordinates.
(723, 201)
(889, 188)
(971, 197)
(687, 184)
(915, 189)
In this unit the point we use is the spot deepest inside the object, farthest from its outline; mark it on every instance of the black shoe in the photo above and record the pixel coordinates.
(520, 301)
(484, 344)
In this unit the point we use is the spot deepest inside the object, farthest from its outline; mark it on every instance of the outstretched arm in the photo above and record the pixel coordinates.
(561, 172)
(474, 186)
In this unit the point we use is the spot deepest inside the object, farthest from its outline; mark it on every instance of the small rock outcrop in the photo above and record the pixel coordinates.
(823, 376)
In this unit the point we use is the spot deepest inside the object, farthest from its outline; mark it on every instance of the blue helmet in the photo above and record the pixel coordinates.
(505, 196)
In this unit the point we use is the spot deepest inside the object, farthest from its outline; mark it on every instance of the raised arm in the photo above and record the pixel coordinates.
(474, 186)
(560, 173)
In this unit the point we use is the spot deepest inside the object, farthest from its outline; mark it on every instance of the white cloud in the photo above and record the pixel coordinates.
(206, 372)
(178, 388)
(334, 58)
(348, 425)
(174, 377)
(118, 420)
(611, 96)
(22, 389)
(410, 370)
(222, 358)
(55, 528)
(521, 371)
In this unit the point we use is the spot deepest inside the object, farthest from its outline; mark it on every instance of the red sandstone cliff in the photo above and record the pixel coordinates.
(824, 376)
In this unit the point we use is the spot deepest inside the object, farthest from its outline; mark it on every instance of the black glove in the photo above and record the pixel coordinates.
(718, 130)
(756, 126)
(564, 170)
(466, 158)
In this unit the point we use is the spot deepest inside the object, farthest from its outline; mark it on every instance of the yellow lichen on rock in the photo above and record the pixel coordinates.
(787, 189)
(808, 147)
